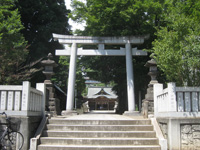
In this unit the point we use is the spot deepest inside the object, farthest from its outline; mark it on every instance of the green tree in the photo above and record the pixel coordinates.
(41, 18)
(12, 43)
(118, 18)
(61, 76)
(177, 47)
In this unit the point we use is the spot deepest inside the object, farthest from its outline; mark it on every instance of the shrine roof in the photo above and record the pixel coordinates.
(95, 92)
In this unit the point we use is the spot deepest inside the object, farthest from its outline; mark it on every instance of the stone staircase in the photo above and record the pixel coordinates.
(84, 134)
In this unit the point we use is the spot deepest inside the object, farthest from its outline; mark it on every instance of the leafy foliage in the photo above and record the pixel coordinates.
(12, 43)
(41, 18)
(33, 21)
(60, 77)
(177, 45)
(117, 17)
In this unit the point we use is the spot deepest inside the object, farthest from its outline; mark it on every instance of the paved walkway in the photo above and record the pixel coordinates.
(102, 115)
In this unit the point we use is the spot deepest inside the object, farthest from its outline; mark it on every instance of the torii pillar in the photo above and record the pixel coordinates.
(73, 51)
(71, 78)
(130, 79)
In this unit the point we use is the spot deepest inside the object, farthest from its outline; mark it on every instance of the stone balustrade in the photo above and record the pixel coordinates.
(22, 100)
(176, 101)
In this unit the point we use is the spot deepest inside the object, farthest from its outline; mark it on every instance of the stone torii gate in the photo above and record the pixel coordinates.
(73, 51)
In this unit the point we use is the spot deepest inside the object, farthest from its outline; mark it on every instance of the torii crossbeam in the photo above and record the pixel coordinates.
(73, 52)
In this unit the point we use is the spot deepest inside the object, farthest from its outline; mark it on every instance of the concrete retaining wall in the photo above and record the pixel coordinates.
(181, 133)
(28, 127)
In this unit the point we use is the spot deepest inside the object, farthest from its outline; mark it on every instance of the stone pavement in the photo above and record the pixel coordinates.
(102, 115)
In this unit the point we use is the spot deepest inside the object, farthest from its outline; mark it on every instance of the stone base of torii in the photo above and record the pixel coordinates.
(73, 52)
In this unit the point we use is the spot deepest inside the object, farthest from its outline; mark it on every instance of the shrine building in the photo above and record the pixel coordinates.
(101, 98)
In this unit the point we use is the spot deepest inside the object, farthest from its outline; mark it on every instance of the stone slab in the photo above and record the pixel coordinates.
(68, 113)
(132, 113)
(87, 147)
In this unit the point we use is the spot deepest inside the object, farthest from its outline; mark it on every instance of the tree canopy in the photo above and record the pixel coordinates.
(12, 43)
(117, 17)
(29, 24)
(177, 46)
(41, 18)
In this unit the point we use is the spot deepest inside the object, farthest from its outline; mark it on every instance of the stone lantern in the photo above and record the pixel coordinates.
(148, 103)
(152, 71)
(52, 103)
(48, 64)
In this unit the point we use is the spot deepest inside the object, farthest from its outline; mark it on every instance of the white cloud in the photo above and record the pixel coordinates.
(67, 3)
(73, 24)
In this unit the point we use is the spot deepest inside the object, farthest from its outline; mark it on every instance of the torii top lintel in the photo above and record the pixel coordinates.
(68, 39)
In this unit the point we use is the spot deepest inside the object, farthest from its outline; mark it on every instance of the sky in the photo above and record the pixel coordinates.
(72, 23)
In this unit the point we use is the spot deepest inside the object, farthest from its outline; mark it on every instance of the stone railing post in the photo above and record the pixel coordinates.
(172, 105)
(145, 111)
(3, 100)
(42, 87)
(158, 88)
(10, 101)
(17, 100)
(25, 95)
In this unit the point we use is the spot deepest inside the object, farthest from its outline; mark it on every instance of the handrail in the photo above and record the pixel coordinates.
(35, 140)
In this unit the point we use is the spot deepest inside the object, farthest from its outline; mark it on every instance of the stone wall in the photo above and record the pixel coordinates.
(181, 133)
(28, 128)
(164, 129)
(190, 137)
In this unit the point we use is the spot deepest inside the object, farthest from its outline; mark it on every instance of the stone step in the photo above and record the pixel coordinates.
(98, 134)
(99, 122)
(108, 133)
(98, 141)
(98, 147)
(100, 127)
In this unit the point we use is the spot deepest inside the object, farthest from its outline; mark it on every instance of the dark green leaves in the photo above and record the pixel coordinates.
(12, 42)
(177, 46)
